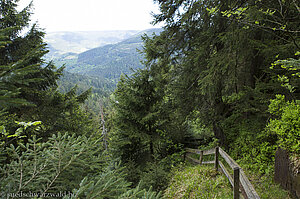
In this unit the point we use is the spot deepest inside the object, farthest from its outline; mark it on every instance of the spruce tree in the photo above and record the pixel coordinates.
(29, 83)
(135, 116)
(23, 68)
(219, 64)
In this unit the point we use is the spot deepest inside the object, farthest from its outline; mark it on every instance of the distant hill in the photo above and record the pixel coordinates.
(99, 68)
(110, 61)
(77, 42)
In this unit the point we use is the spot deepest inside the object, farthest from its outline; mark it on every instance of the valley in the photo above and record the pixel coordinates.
(96, 59)
(117, 114)
(113, 56)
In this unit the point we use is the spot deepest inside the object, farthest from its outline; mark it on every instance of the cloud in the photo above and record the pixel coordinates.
(88, 15)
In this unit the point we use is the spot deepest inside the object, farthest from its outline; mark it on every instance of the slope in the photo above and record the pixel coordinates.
(78, 42)
(110, 61)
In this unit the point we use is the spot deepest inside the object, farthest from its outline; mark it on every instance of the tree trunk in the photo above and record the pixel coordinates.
(151, 148)
(219, 134)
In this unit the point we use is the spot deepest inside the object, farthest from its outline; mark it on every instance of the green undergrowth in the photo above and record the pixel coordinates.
(201, 182)
(265, 186)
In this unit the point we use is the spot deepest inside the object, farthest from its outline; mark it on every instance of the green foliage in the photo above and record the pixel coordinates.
(287, 125)
(39, 156)
(135, 127)
(53, 166)
(110, 184)
(142, 134)
(65, 163)
(101, 88)
(28, 84)
(206, 75)
(291, 78)
(21, 130)
(265, 15)
(23, 71)
(282, 130)
(256, 156)
(265, 185)
(12, 74)
(204, 182)
(138, 193)
(58, 113)
(219, 68)
(156, 174)
(211, 65)
(135, 103)
(208, 62)
(209, 70)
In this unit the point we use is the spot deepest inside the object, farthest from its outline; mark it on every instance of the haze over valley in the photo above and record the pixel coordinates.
(78, 42)
(96, 59)
(104, 54)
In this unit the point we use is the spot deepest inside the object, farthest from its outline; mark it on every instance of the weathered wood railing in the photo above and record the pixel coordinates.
(239, 181)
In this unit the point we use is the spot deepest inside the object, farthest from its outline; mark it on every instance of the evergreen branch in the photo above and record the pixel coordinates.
(58, 171)
(59, 168)
(294, 1)
(281, 8)
(21, 174)
(35, 172)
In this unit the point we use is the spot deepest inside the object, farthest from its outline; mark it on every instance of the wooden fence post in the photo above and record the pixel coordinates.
(217, 158)
(239, 180)
(236, 183)
(201, 157)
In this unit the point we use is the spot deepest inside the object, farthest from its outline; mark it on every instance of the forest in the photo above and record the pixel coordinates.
(221, 73)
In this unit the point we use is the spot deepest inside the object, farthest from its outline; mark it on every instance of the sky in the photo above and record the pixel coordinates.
(92, 15)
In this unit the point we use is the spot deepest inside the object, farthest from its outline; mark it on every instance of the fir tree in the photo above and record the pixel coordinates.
(29, 84)
(220, 66)
(136, 116)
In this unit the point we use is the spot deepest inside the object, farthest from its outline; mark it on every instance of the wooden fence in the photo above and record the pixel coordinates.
(239, 181)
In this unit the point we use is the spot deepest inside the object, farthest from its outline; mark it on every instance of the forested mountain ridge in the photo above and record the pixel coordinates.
(60, 43)
(100, 88)
(100, 68)
(110, 61)
(126, 48)
(100, 85)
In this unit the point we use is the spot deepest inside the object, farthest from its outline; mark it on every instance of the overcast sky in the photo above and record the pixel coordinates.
(92, 15)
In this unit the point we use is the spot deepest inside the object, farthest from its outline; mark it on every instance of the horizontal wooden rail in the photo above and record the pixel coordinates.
(197, 151)
(239, 180)
(226, 173)
(228, 159)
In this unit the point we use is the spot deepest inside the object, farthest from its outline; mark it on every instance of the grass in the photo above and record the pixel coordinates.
(266, 188)
(201, 182)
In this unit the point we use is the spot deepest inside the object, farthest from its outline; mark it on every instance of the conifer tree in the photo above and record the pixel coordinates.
(219, 64)
(136, 116)
(28, 83)
(23, 68)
